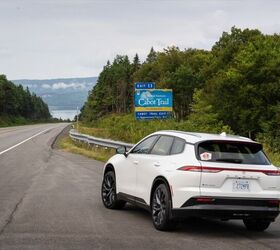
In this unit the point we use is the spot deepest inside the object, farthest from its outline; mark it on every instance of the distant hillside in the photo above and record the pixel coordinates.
(61, 93)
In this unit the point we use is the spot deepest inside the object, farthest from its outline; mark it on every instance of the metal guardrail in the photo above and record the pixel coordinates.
(91, 140)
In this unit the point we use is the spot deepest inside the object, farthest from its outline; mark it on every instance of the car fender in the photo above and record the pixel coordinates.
(160, 179)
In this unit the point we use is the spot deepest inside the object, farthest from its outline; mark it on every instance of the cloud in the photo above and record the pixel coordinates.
(62, 85)
(46, 95)
(46, 86)
(32, 85)
(68, 38)
(4, 52)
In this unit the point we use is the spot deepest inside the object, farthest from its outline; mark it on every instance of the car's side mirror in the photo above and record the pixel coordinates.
(122, 150)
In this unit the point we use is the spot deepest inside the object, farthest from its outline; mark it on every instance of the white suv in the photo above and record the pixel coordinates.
(177, 174)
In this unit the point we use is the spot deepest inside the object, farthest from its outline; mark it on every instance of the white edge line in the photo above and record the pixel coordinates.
(8, 149)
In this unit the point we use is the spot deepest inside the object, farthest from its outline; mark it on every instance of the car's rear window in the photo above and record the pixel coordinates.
(232, 152)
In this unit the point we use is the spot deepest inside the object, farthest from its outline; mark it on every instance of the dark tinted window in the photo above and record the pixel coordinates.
(233, 152)
(163, 145)
(144, 146)
(178, 146)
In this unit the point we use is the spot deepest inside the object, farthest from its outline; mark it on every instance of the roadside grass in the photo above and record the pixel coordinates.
(7, 121)
(97, 132)
(97, 153)
(274, 157)
(125, 128)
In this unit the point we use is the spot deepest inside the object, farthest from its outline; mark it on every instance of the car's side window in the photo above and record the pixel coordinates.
(178, 146)
(144, 146)
(163, 145)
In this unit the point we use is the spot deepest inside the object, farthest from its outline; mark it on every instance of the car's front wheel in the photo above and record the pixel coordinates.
(108, 192)
(161, 208)
(256, 225)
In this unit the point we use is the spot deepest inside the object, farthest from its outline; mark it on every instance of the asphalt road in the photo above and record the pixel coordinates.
(50, 199)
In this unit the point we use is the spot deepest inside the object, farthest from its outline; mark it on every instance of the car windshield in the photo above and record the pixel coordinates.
(232, 152)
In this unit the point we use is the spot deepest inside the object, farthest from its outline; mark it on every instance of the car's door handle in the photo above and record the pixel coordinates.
(156, 164)
(136, 162)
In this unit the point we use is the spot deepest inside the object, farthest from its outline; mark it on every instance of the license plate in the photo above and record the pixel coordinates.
(241, 185)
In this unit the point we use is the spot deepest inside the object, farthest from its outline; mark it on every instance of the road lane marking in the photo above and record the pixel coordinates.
(33, 136)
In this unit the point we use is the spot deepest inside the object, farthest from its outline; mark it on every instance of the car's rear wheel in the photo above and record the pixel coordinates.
(161, 208)
(256, 224)
(108, 192)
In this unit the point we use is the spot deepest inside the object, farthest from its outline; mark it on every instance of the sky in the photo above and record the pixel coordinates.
(42, 39)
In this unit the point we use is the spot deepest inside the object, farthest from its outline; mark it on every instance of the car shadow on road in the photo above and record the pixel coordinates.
(207, 227)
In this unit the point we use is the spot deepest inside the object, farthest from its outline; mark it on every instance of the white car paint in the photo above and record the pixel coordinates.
(135, 173)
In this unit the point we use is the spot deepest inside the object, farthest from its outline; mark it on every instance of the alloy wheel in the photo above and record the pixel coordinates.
(159, 206)
(108, 190)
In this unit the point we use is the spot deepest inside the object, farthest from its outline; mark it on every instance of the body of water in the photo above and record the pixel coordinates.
(64, 114)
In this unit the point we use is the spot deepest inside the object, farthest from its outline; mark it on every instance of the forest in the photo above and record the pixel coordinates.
(235, 86)
(19, 106)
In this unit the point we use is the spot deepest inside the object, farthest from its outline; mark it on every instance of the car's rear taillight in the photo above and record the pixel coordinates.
(272, 172)
(200, 169)
(190, 168)
(211, 170)
(219, 169)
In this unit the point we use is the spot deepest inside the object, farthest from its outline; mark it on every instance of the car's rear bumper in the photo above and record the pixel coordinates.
(229, 208)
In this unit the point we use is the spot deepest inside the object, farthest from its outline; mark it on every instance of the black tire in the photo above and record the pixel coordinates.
(257, 225)
(161, 209)
(108, 192)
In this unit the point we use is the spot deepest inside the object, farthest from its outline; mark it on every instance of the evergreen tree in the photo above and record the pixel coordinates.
(152, 56)
(15, 101)
(236, 84)
(136, 63)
